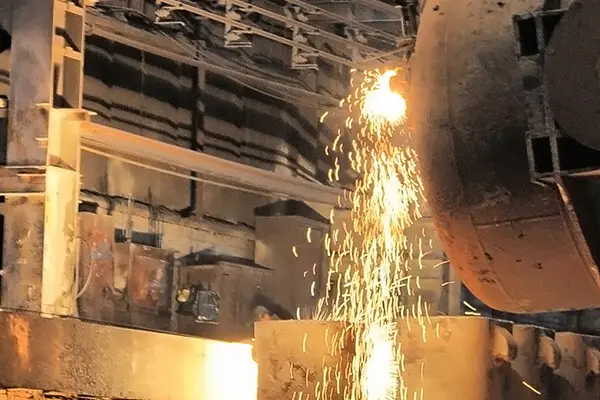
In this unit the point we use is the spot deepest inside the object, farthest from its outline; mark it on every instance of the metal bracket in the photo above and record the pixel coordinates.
(235, 38)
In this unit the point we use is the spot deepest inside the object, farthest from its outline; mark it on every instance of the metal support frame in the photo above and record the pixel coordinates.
(43, 156)
(179, 161)
(247, 29)
(312, 9)
(163, 46)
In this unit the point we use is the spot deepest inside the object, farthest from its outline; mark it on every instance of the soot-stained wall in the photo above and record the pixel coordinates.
(180, 104)
(183, 105)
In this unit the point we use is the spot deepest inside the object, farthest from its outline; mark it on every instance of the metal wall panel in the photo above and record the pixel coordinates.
(150, 95)
(96, 267)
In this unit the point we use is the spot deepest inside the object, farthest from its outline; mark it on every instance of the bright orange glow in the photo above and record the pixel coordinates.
(380, 377)
(230, 372)
(381, 106)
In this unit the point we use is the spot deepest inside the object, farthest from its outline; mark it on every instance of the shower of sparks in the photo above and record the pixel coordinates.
(369, 257)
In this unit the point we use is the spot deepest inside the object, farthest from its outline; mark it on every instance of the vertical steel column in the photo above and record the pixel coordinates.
(41, 178)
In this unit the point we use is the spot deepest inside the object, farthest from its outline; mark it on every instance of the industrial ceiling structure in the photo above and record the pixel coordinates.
(359, 35)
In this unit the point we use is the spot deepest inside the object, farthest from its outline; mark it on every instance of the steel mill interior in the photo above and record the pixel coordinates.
(300, 199)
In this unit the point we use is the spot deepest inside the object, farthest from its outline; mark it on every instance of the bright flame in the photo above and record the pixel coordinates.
(382, 106)
(380, 376)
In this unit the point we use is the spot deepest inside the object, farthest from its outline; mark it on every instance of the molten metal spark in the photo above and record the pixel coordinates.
(381, 106)
(370, 256)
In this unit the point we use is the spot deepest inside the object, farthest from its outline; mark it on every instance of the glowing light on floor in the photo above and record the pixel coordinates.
(226, 363)
(380, 376)
(371, 255)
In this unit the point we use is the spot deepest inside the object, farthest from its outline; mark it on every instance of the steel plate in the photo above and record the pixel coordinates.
(90, 359)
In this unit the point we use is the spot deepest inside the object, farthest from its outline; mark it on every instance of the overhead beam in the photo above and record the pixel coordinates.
(163, 46)
(175, 160)
(309, 29)
(378, 33)
(251, 30)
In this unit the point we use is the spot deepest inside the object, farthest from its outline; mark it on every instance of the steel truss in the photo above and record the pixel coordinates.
(295, 19)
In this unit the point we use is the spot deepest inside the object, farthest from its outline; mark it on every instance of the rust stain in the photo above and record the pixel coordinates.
(19, 329)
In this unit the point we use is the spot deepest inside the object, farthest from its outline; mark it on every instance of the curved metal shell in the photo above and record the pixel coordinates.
(572, 66)
(511, 240)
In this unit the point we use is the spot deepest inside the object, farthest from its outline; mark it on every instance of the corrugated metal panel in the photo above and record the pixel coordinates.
(154, 97)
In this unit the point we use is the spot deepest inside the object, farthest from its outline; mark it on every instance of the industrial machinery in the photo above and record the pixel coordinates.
(504, 101)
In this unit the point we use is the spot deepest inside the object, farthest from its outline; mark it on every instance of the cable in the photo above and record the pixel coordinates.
(192, 54)
(279, 96)
(90, 270)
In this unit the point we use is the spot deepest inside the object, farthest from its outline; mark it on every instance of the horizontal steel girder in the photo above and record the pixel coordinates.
(77, 357)
(179, 161)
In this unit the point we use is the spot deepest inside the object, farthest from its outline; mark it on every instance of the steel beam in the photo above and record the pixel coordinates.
(179, 161)
(251, 30)
(103, 361)
(41, 175)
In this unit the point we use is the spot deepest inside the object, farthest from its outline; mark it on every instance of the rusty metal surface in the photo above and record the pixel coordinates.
(573, 72)
(24, 217)
(97, 360)
(37, 139)
(27, 122)
(22, 254)
(33, 394)
(472, 358)
(96, 267)
(293, 355)
(466, 344)
(143, 284)
(149, 284)
(470, 128)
